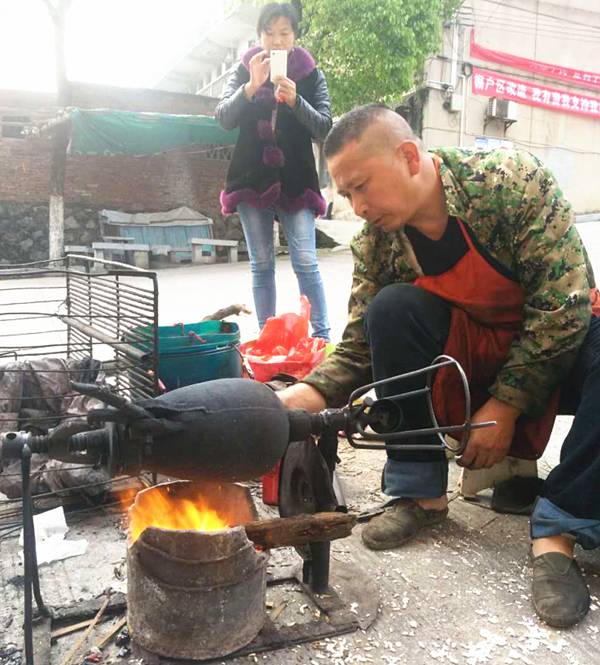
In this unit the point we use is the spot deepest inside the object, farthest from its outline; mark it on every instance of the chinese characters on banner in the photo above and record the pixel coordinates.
(567, 74)
(493, 84)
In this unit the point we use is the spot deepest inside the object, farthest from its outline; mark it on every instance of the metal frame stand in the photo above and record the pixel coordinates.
(315, 571)
(30, 568)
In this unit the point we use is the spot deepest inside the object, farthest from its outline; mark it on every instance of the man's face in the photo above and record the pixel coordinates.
(379, 186)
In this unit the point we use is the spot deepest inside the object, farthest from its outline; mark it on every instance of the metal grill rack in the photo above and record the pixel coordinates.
(77, 308)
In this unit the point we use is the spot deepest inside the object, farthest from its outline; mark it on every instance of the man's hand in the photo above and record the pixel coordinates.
(258, 66)
(490, 445)
(286, 91)
(302, 396)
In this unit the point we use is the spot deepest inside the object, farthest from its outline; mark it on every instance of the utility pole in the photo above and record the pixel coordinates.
(58, 10)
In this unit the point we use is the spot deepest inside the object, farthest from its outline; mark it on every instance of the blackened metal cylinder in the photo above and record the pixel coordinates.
(193, 594)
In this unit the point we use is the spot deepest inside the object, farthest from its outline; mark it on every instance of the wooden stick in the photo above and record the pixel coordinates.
(69, 657)
(301, 529)
(67, 630)
(227, 311)
(111, 633)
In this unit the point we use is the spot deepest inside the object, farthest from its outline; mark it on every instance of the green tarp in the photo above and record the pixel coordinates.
(108, 132)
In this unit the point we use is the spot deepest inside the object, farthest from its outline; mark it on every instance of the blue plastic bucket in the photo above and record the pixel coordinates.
(184, 368)
(196, 352)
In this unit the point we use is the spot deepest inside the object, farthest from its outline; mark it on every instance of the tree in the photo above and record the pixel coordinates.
(372, 50)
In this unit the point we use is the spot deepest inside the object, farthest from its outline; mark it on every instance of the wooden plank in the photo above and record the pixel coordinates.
(67, 630)
(107, 637)
(299, 530)
(118, 238)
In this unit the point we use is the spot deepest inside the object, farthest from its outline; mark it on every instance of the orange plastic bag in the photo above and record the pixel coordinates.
(284, 346)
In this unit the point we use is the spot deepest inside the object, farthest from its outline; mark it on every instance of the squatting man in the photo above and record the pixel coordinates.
(474, 254)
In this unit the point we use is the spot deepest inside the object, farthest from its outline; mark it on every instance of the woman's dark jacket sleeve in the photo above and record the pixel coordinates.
(317, 118)
(233, 102)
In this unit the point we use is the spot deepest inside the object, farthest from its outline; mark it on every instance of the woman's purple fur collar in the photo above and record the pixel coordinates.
(273, 195)
(300, 62)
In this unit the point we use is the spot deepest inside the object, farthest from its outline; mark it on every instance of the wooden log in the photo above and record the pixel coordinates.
(88, 609)
(299, 530)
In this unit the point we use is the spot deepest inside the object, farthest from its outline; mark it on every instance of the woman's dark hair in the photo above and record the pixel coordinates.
(275, 10)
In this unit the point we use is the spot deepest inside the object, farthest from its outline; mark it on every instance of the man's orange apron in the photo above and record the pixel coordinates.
(487, 313)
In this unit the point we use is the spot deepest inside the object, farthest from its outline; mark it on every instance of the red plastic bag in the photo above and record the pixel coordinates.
(284, 346)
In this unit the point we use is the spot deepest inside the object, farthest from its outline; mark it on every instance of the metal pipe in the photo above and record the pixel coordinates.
(106, 339)
(454, 62)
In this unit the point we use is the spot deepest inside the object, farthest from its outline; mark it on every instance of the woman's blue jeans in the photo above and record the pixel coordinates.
(299, 229)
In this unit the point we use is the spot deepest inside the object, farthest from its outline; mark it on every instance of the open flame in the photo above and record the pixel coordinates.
(161, 508)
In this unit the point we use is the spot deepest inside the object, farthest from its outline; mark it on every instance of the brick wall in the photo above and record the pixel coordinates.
(133, 184)
(147, 183)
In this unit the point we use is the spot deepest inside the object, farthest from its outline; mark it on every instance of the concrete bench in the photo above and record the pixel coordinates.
(140, 253)
(78, 249)
(198, 244)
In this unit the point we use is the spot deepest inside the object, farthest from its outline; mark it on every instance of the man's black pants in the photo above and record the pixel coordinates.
(407, 328)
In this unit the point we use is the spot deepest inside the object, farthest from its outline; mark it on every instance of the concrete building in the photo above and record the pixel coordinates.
(204, 70)
(452, 108)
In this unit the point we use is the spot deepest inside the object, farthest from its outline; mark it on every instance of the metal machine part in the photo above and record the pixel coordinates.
(229, 430)
(306, 486)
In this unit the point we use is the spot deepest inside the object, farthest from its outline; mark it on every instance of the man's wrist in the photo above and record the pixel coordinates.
(507, 409)
(302, 396)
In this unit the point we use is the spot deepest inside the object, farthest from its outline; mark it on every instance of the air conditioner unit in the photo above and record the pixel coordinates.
(502, 109)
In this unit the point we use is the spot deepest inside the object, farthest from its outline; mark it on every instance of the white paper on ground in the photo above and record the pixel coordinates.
(50, 530)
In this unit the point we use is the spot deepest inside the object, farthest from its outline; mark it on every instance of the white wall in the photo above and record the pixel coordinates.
(569, 144)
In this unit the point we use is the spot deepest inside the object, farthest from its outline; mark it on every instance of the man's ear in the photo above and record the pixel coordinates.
(411, 153)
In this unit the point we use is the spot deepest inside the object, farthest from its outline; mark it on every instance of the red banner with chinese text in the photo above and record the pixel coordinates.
(568, 75)
(493, 84)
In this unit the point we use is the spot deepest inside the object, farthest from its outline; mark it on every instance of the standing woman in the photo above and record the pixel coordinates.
(272, 171)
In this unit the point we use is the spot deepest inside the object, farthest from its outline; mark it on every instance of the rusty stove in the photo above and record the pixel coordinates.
(195, 594)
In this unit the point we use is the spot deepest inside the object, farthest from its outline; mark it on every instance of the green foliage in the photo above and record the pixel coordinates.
(372, 50)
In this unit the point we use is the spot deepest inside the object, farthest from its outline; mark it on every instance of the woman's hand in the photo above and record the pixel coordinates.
(286, 91)
(258, 66)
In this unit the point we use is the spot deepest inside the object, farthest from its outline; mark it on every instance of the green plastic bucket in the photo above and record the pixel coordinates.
(185, 368)
(196, 352)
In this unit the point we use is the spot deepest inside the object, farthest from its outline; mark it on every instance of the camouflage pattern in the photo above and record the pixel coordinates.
(516, 210)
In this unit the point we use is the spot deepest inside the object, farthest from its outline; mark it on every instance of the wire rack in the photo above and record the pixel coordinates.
(77, 309)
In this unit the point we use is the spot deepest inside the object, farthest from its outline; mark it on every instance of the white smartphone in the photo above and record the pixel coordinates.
(278, 64)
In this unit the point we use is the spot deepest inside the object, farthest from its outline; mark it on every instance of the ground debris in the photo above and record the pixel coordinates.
(10, 654)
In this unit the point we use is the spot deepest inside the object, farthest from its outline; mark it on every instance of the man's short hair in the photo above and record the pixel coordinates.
(275, 10)
(352, 125)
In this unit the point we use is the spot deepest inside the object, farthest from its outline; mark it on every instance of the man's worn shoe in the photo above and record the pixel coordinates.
(558, 591)
(398, 524)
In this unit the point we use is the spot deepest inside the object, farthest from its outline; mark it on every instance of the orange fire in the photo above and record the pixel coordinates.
(160, 508)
